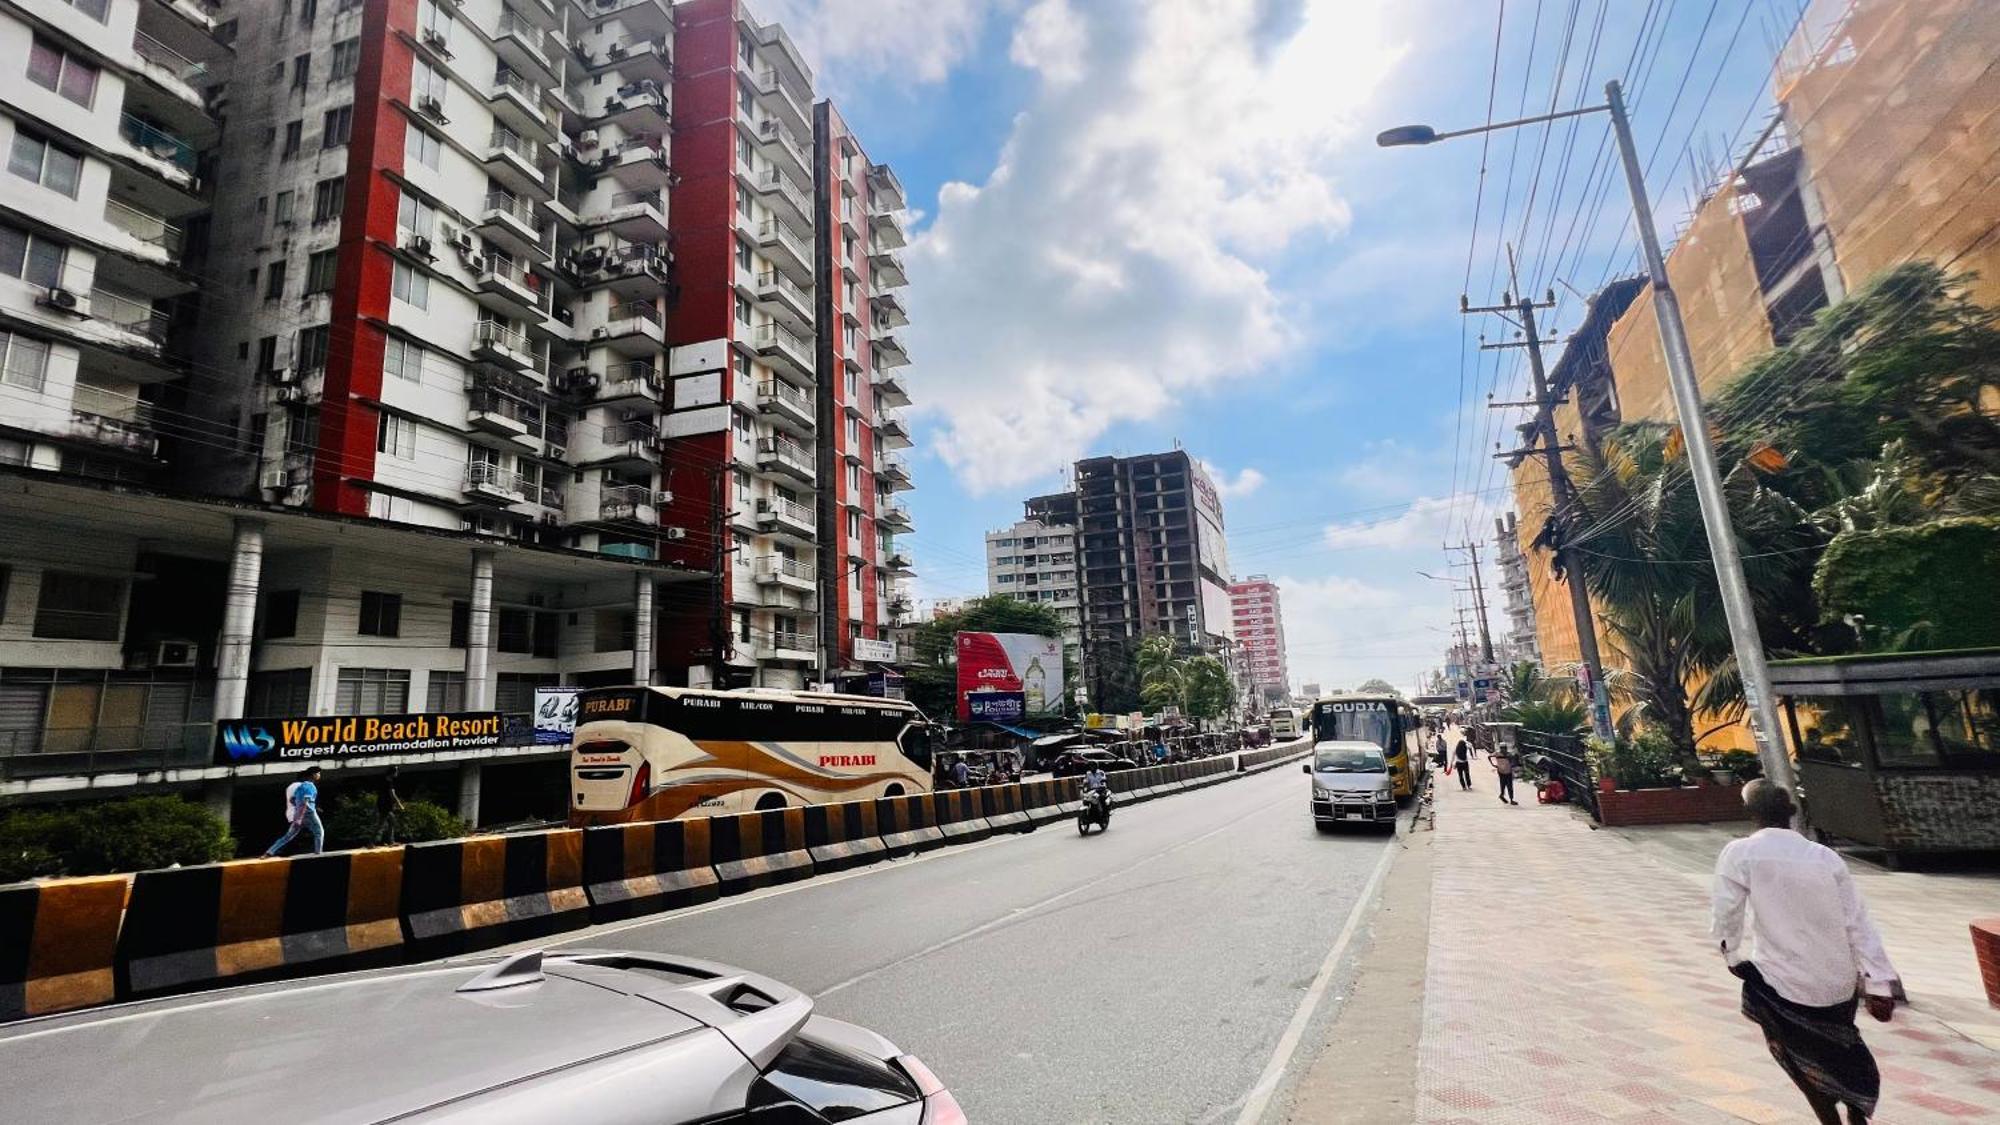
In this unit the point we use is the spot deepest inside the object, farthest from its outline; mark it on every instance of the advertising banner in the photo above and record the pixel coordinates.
(243, 742)
(555, 716)
(1023, 663)
(995, 706)
(874, 651)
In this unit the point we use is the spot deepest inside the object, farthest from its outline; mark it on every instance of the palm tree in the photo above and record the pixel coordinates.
(1162, 677)
(1522, 682)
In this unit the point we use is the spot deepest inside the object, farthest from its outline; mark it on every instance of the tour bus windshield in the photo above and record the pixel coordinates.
(1349, 759)
(1354, 722)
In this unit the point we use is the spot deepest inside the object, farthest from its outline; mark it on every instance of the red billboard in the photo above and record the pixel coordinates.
(1010, 662)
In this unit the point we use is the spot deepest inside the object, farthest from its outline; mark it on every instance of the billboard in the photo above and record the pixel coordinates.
(555, 715)
(1211, 547)
(242, 742)
(1011, 662)
(995, 706)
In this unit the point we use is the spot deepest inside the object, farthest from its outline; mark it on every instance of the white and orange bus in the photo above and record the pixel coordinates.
(656, 753)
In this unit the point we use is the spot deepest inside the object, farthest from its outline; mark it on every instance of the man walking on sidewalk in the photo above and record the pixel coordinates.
(1464, 759)
(1503, 765)
(1813, 939)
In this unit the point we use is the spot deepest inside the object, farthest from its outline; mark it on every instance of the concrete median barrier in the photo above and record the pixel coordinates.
(59, 944)
(261, 919)
(908, 824)
(483, 891)
(1005, 808)
(760, 849)
(644, 868)
(958, 816)
(843, 836)
(1049, 799)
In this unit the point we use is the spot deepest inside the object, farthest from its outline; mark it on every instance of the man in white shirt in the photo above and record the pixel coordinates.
(1813, 941)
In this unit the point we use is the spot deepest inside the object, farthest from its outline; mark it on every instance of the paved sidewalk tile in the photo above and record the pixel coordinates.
(1571, 979)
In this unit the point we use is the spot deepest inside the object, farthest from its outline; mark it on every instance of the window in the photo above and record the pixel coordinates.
(281, 209)
(742, 310)
(302, 70)
(431, 16)
(461, 623)
(312, 347)
(372, 691)
(421, 147)
(515, 691)
(613, 630)
(274, 280)
(426, 82)
(528, 632)
(31, 257)
(98, 10)
(308, 12)
(410, 285)
(281, 617)
(403, 359)
(346, 59)
(743, 256)
(746, 100)
(381, 614)
(45, 163)
(79, 607)
(321, 269)
(853, 434)
(445, 691)
(854, 527)
(329, 199)
(280, 694)
(396, 437)
(743, 203)
(337, 126)
(294, 130)
(853, 479)
(52, 68)
(742, 625)
(746, 152)
(24, 362)
(742, 480)
(415, 215)
(267, 353)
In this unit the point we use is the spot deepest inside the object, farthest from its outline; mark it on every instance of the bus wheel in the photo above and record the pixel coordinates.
(770, 801)
(893, 791)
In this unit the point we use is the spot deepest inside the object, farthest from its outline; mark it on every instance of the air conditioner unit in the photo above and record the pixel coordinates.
(174, 654)
(275, 478)
(674, 533)
(590, 257)
(600, 332)
(550, 519)
(434, 39)
(613, 105)
(56, 297)
(575, 376)
(662, 497)
(462, 241)
(300, 475)
(616, 50)
(291, 394)
(282, 376)
(587, 139)
(420, 244)
(476, 263)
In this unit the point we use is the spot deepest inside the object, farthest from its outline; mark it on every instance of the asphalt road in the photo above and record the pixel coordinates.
(1142, 975)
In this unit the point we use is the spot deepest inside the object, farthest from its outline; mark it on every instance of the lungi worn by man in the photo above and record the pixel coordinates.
(1813, 940)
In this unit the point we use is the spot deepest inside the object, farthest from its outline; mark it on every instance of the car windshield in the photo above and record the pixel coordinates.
(1348, 760)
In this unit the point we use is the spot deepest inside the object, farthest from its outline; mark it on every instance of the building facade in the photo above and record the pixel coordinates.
(1258, 616)
(1518, 643)
(1152, 551)
(1036, 562)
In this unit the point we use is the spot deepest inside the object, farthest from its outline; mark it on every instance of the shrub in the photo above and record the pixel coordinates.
(1644, 761)
(351, 823)
(1929, 586)
(1744, 764)
(135, 834)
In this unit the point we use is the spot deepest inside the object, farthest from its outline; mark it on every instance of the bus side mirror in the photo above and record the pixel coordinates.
(1305, 769)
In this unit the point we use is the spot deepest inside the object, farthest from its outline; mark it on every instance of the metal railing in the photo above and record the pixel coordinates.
(510, 141)
(785, 452)
(771, 334)
(775, 179)
(492, 333)
(78, 751)
(622, 433)
(786, 509)
(637, 377)
(130, 313)
(514, 207)
(1567, 761)
(772, 129)
(634, 310)
(485, 400)
(638, 199)
(134, 434)
(787, 394)
(891, 510)
(157, 142)
(506, 81)
(144, 226)
(778, 566)
(487, 474)
(623, 501)
(166, 58)
(790, 641)
(777, 282)
(778, 231)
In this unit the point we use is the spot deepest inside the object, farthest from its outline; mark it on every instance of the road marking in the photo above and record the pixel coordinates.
(1259, 1098)
(1016, 914)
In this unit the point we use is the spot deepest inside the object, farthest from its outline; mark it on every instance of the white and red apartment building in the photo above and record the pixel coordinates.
(1260, 631)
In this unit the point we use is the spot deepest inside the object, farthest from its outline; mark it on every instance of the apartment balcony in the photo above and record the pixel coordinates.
(786, 250)
(488, 411)
(784, 195)
(517, 163)
(516, 101)
(143, 327)
(782, 457)
(894, 515)
(151, 236)
(892, 432)
(886, 227)
(785, 573)
(888, 268)
(782, 297)
(635, 58)
(168, 155)
(134, 435)
(889, 310)
(781, 98)
(638, 162)
(635, 216)
(893, 471)
(889, 389)
(785, 405)
(636, 107)
(779, 516)
(795, 648)
(509, 289)
(784, 55)
(633, 328)
(495, 343)
(488, 483)
(513, 224)
(782, 146)
(630, 445)
(889, 351)
(649, 16)
(171, 70)
(631, 503)
(632, 381)
(527, 47)
(887, 189)
(787, 351)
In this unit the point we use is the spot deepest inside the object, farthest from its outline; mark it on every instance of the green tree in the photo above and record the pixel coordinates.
(1160, 671)
(930, 673)
(133, 834)
(1378, 687)
(1209, 692)
(1523, 682)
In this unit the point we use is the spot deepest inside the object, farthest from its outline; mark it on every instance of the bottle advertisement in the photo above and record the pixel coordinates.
(996, 667)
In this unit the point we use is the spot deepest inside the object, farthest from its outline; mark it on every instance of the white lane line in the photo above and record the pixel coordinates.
(1259, 1098)
(1015, 914)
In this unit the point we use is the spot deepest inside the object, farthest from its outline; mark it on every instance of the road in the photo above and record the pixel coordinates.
(1143, 975)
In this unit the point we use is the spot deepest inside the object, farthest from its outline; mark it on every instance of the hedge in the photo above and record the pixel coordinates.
(1937, 575)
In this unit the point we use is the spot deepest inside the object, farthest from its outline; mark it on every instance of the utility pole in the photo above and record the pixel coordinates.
(1479, 603)
(718, 529)
(1562, 490)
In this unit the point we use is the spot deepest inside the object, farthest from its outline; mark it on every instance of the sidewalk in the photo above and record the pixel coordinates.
(1570, 978)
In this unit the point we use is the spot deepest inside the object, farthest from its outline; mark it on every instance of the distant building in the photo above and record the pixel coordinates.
(1519, 643)
(1259, 623)
(1035, 562)
(1310, 690)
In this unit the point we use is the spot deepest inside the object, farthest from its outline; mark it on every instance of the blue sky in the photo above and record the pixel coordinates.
(1148, 221)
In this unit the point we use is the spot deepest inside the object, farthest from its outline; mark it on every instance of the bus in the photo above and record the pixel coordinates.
(657, 753)
(1284, 724)
(1385, 720)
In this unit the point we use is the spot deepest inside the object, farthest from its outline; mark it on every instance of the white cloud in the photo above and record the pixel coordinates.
(849, 41)
(1116, 259)
(1246, 482)
(1340, 631)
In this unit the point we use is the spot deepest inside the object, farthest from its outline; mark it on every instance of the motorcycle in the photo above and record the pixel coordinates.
(1096, 809)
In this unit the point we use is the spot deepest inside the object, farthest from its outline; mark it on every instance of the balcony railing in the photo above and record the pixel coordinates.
(508, 140)
(778, 231)
(637, 377)
(775, 179)
(634, 310)
(787, 509)
(771, 281)
(771, 334)
(144, 226)
(790, 642)
(134, 434)
(157, 142)
(131, 314)
(787, 394)
(623, 501)
(772, 129)
(491, 333)
(621, 433)
(516, 208)
(166, 58)
(488, 474)
(488, 401)
(778, 566)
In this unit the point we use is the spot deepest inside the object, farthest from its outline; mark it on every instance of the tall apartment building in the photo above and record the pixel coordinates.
(1259, 619)
(1518, 643)
(1151, 548)
(545, 271)
(1035, 562)
(104, 118)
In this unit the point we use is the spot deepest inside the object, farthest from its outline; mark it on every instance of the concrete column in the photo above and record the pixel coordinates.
(239, 619)
(478, 639)
(642, 629)
(468, 794)
(219, 797)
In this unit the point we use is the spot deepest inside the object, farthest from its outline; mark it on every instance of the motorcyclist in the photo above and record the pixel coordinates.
(1094, 782)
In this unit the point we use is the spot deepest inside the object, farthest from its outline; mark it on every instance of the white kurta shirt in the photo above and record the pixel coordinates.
(1813, 936)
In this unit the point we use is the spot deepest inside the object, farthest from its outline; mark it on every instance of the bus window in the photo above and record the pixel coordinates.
(916, 745)
(1358, 725)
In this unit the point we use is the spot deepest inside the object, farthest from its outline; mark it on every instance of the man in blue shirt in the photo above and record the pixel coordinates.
(302, 812)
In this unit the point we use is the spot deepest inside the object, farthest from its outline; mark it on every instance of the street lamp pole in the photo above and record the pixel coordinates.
(1737, 608)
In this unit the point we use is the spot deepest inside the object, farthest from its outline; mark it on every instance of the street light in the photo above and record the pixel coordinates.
(1743, 634)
